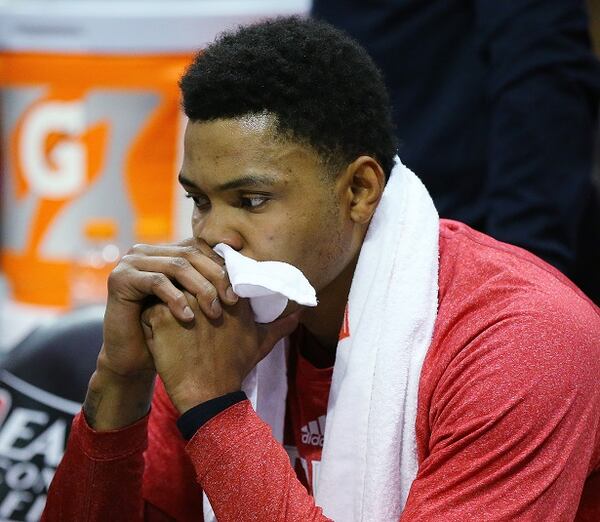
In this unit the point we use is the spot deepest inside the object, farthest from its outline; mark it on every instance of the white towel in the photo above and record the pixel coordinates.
(268, 284)
(369, 458)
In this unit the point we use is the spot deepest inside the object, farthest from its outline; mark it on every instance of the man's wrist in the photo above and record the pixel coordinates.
(113, 402)
(194, 418)
(185, 397)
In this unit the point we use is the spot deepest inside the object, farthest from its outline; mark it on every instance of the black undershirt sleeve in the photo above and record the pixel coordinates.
(194, 418)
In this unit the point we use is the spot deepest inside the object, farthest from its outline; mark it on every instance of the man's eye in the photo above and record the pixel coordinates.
(200, 201)
(252, 202)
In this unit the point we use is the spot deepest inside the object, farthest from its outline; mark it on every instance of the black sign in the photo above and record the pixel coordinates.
(34, 426)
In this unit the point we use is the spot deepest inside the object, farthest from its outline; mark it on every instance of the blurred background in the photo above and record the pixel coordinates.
(91, 137)
(90, 147)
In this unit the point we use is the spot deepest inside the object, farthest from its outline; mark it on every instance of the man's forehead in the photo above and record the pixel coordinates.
(263, 122)
(243, 133)
(245, 146)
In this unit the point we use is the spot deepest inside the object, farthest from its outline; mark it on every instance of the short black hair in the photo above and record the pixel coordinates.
(321, 86)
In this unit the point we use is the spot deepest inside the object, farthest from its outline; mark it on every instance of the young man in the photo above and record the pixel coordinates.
(289, 156)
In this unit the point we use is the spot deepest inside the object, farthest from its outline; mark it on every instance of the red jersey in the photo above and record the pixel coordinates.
(508, 420)
(304, 435)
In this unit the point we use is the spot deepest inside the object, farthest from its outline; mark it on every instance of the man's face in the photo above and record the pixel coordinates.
(269, 199)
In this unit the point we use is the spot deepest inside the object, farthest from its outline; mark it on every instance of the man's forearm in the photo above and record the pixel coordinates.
(235, 451)
(100, 476)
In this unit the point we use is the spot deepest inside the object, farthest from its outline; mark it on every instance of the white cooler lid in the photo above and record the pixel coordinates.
(126, 26)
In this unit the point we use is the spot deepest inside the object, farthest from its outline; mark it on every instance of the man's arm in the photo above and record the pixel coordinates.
(104, 475)
(100, 476)
(543, 85)
(513, 422)
(246, 473)
(513, 430)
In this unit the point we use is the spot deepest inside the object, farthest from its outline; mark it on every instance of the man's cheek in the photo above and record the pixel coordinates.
(268, 248)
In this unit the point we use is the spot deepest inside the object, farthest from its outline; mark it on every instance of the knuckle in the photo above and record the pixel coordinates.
(190, 251)
(158, 280)
(147, 315)
(186, 242)
(161, 310)
(128, 259)
(222, 275)
(216, 258)
(179, 263)
(155, 313)
(111, 283)
(115, 277)
(209, 291)
(180, 300)
(137, 248)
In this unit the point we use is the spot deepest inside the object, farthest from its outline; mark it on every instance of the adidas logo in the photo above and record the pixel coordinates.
(314, 432)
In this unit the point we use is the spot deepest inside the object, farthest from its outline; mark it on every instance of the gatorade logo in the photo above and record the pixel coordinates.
(62, 173)
(57, 156)
(83, 146)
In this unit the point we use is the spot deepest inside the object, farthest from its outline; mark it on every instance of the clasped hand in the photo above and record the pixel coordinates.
(200, 338)
(206, 358)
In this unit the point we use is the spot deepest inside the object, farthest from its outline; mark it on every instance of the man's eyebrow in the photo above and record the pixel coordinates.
(250, 180)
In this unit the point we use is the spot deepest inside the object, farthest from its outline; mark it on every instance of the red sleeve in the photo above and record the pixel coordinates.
(100, 475)
(140, 472)
(513, 421)
(246, 473)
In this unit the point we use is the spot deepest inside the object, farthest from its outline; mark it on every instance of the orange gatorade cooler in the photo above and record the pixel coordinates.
(91, 126)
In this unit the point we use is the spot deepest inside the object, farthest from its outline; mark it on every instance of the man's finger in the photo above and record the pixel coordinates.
(181, 270)
(191, 253)
(146, 328)
(159, 285)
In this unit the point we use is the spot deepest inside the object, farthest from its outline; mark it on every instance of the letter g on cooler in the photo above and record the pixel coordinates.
(60, 172)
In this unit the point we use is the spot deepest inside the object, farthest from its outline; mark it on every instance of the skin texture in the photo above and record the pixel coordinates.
(269, 198)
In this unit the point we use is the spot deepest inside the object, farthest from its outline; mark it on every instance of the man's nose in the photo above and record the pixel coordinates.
(214, 228)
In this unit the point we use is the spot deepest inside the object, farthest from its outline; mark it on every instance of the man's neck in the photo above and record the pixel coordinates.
(324, 321)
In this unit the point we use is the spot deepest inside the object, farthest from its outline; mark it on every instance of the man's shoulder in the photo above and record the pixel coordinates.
(511, 375)
(506, 319)
(501, 300)
(474, 266)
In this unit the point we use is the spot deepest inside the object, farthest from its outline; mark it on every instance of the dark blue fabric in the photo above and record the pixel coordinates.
(495, 103)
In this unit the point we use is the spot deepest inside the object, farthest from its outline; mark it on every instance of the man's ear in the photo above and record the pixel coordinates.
(366, 181)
